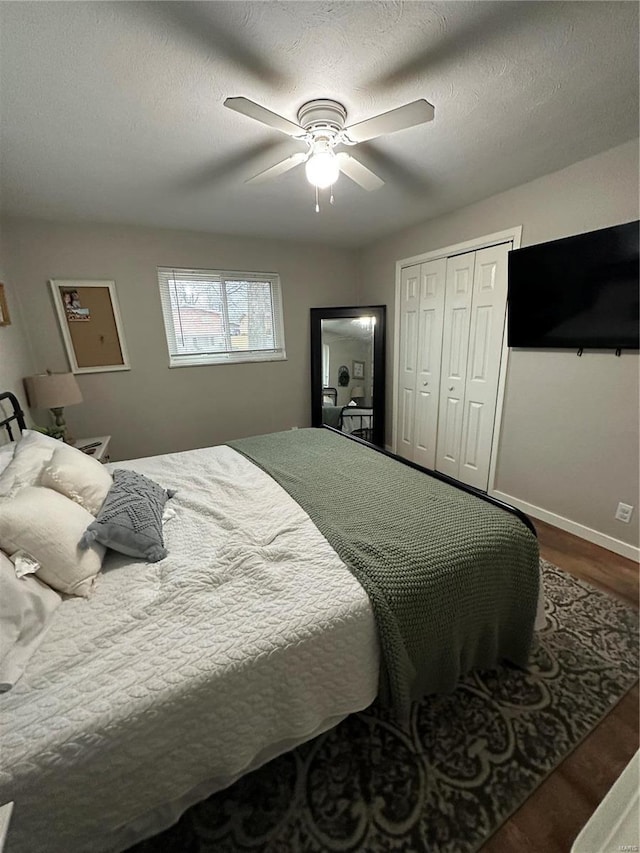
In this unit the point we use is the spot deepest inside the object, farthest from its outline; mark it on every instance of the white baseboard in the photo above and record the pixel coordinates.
(602, 539)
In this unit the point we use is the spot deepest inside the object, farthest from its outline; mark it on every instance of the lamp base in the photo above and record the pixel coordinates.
(60, 427)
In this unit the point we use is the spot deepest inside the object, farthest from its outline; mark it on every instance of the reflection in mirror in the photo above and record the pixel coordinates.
(347, 357)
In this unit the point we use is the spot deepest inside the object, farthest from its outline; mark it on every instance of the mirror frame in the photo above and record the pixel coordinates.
(379, 336)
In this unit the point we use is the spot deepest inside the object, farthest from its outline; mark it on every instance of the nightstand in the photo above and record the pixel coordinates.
(98, 447)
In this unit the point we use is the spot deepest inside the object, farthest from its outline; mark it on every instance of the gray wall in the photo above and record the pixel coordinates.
(569, 439)
(570, 426)
(153, 409)
(345, 350)
(16, 358)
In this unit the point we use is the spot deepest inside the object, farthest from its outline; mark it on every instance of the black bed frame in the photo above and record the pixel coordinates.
(17, 414)
(443, 477)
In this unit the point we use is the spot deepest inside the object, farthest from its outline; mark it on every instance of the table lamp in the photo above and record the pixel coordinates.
(357, 392)
(53, 391)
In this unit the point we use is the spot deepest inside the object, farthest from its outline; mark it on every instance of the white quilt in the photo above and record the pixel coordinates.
(176, 677)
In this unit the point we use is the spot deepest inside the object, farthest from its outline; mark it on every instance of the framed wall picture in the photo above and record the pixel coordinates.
(5, 320)
(91, 326)
(358, 369)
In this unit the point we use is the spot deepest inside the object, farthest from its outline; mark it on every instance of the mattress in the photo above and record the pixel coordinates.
(175, 678)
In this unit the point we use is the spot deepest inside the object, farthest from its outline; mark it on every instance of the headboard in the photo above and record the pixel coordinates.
(330, 394)
(17, 415)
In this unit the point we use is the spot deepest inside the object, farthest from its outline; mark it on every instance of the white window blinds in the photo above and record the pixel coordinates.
(216, 316)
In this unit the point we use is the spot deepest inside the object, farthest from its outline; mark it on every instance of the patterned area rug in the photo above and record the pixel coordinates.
(449, 779)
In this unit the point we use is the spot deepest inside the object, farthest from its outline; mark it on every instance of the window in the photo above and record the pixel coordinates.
(219, 317)
(326, 356)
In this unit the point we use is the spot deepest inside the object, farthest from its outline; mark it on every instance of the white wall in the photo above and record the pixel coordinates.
(16, 358)
(153, 409)
(569, 440)
(345, 350)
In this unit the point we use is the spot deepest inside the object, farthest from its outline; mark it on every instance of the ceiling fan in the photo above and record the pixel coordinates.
(321, 126)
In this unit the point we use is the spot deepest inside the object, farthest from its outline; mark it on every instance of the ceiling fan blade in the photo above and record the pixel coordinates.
(279, 168)
(262, 114)
(409, 115)
(354, 169)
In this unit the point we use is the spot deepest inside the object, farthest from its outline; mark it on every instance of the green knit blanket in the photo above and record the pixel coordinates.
(453, 580)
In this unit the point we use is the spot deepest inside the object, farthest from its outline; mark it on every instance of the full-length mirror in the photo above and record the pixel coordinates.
(347, 370)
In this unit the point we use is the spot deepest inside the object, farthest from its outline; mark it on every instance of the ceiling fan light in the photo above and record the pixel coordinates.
(322, 169)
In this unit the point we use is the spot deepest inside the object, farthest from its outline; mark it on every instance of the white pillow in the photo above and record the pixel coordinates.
(47, 527)
(29, 457)
(6, 455)
(26, 608)
(77, 476)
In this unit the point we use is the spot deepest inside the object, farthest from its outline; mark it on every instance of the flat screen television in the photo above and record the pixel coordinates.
(579, 292)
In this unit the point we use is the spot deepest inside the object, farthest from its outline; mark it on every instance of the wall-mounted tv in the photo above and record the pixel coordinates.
(579, 292)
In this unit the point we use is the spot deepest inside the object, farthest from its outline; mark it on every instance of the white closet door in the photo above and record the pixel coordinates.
(429, 353)
(409, 305)
(455, 348)
(483, 364)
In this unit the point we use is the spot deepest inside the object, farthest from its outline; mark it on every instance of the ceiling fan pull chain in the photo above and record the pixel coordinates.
(317, 202)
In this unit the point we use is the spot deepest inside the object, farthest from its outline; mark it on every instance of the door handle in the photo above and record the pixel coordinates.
(451, 388)
(425, 383)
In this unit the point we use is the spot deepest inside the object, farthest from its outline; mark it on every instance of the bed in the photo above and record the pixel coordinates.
(357, 421)
(329, 396)
(352, 419)
(174, 678)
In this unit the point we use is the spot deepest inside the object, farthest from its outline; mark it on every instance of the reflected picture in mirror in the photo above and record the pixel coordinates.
(347, 369)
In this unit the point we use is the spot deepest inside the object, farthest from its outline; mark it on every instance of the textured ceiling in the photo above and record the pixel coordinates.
(114, 112)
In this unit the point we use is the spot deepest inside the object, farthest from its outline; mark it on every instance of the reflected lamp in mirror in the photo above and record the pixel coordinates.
(53, 391)
(357, 393)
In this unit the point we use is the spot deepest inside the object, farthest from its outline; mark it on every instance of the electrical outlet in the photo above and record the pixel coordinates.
(623, 513)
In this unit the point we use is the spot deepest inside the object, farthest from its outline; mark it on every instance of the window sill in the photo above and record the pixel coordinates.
(218, 362)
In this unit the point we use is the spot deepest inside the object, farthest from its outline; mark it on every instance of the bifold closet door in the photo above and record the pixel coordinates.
(421, 318)
(455, 350)
(409, 305)
(488, 312)
(428, 361)
(475, 307)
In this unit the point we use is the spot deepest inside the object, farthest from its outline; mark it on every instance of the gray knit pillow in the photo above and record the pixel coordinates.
(130, 519)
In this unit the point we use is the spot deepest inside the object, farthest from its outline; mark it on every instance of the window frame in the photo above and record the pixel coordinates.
(222, 277)
(326, 365)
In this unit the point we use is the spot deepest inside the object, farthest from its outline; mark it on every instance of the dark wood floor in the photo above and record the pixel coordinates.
(554, 814)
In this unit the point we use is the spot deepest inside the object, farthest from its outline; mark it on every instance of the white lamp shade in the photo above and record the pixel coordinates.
(52, 390)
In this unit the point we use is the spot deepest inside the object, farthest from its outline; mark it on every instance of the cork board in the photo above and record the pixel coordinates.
(5, 320)
(90, 323)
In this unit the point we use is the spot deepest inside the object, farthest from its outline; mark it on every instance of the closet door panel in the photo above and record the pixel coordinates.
(473, 423)
(406, 422)
(449, 438)
(455, 349)
(409, 308)
(483, 363)
(429, 354)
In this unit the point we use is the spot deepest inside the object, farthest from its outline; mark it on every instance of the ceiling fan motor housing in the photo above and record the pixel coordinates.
(322, 117)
